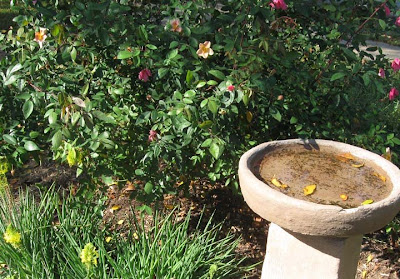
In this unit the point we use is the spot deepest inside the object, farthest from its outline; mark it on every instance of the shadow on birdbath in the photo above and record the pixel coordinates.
(320, 197)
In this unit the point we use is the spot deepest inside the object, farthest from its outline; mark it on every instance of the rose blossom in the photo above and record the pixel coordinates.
(152, 135)
(230, 88)
(144, 75)
(393, 94)
(396, 64)
(278, 4)
(205, 49)
(387, 10)
(176, 25)
(397, 21)
(381, 73)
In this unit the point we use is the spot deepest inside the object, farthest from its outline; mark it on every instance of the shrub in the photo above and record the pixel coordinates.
(130, 90)
(64, 239)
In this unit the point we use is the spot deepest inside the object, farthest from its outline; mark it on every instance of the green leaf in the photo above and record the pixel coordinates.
(56, 139)
(27, 108)
(189, 77)
(337, 76)
(218, 74)
(162, 72)
(201, 84)
(216, 149)
(73, 54)
(293, 120)
(382, 23)
(124, 54)
(212, 106)
(31, 146)
(148, 188)
(10, 139)
(205, 124)
(394, 140)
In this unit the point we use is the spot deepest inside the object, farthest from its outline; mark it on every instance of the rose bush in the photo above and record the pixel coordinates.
(163, 93)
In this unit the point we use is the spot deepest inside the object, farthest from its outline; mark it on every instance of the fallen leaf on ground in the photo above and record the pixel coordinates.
(357, 165)
(370, 257)
(364, 274)
(381, 177)
(367, 202)
(309, 189)
(108, 239)
(135, 236)
(120, 222)
(344, 197)
(169, 206)
(115, 207)
(345, 157)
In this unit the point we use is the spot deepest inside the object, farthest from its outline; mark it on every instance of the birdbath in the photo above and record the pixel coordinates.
(321, 197)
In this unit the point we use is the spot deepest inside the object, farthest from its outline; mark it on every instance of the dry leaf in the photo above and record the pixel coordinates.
(120, 222)
(345, 157)
(381, 177)
(279, 184)
(370, 257)
(169, 206)
(309, 189)
(115, 207)
(364, 274)
(367, 202)
(344, 197)
(357, 165)
(108, 239)
(135, 236)
(249, 116)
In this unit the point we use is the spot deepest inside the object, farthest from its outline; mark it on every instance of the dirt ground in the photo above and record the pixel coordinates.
(379, 257)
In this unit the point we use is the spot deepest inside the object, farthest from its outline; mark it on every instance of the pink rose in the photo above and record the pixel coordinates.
(230, 88)
(144, 75)
(381, 73)
(396, 64)
(152, 135)
(397, 21)
(387, 10)
(393, 94)
(278, 4)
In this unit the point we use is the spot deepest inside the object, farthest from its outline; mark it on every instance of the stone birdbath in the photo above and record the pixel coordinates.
(320, 197)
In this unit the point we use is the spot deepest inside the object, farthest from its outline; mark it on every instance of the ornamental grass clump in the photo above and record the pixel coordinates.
(53, 238)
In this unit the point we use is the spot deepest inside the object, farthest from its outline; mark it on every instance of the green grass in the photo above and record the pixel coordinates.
(53, 234)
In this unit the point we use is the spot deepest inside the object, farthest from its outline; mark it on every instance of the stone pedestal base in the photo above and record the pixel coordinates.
(292, 255)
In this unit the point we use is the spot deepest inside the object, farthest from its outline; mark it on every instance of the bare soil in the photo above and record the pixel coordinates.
(380, 253)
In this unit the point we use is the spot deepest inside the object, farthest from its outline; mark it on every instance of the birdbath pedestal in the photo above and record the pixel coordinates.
(308, 239)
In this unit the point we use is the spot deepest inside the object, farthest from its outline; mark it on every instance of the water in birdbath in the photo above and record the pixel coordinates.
(323, 176)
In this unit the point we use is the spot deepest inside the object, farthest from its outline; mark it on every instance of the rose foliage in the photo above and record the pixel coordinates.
(160, 93)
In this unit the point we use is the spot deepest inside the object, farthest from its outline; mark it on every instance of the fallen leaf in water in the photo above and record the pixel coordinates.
(381, 177)
(120, 222)
(344, 197)
(108, 239)
(357, 165)
(279, 184)
(309, 189)
(367, 202)
(345, 157)
(370, 257)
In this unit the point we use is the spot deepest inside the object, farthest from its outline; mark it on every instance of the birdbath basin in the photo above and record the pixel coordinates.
(320, 196)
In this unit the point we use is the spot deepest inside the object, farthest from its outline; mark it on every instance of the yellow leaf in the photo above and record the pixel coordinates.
(279, 184)
(249, 116)
(381, 177)
(345, 157)
(120, 222)
(108, 239)
(357, 165)
(364, 274)
(344, 197)
(135, 236)
(367, 202)
(276, 182)
(309, 189)
(370, 257)
(115, 207)
(169, 206)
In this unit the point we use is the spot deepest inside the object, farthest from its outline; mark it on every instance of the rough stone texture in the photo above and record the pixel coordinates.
(292, 255)
(311, 218)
